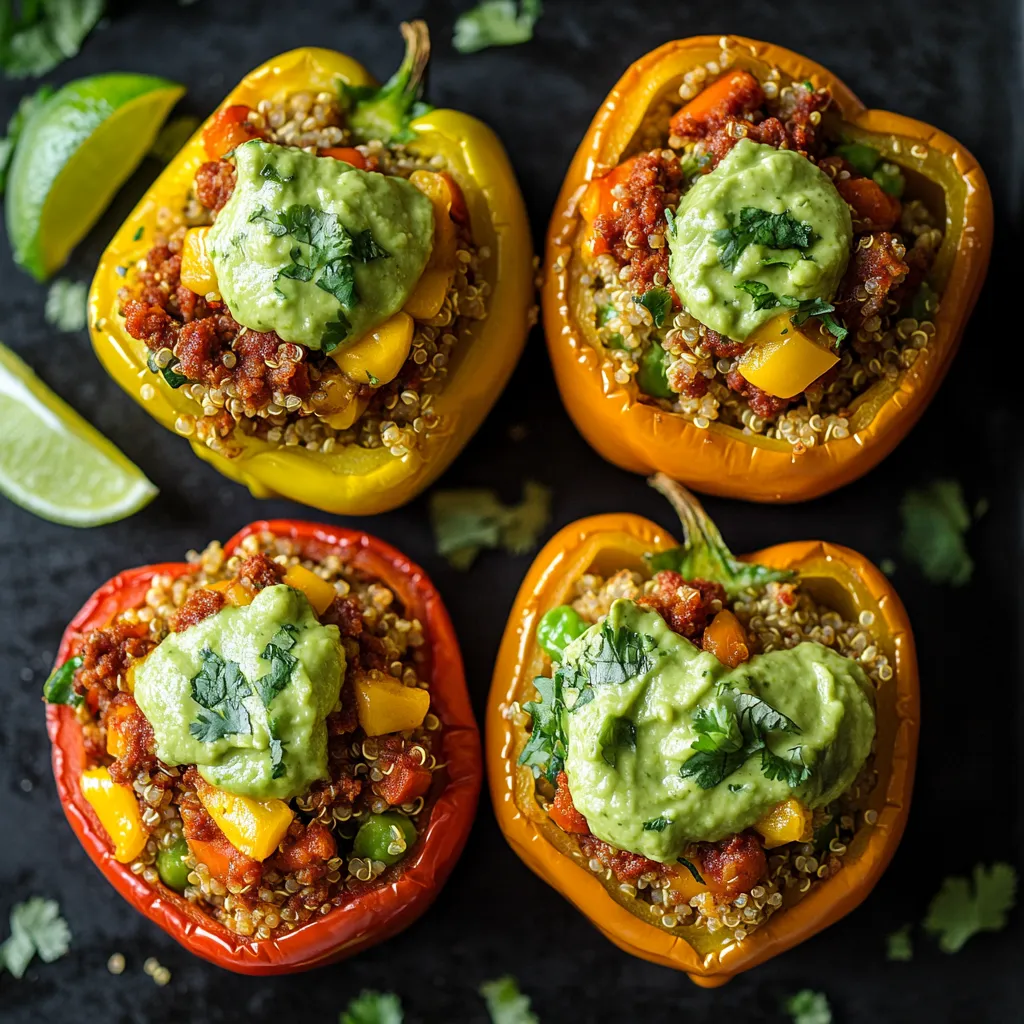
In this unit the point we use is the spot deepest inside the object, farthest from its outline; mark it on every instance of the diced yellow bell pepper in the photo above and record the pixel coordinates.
(255, 827)
(429, 294)
(385, 705)
(784, 359)
(234, 593)
(116, 745)
(318, 592)
(129, 675)
(787, 822)
(376, 357)
(197, 270)
(682, 885)
(118, 810)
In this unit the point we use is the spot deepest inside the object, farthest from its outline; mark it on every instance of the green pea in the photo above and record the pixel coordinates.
(386, 837)
(652, 377)
(890, 179)
(171, 863)
(557, 628)
(863, 159)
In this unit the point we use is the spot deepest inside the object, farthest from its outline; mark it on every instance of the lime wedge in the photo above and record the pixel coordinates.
(77, 149)
(55, 464)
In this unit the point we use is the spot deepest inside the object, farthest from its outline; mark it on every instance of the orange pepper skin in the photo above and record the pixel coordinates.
(721, 460)
(369, 918)
(605, 544)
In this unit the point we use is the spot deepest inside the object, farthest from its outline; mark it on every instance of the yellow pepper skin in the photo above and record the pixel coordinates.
(786, 822)
(350, 480)
(255, 827)
(385, 705)
(118, 810)
(319, 593)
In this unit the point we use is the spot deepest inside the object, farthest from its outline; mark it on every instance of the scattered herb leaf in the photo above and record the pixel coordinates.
(496, 23)
(59, 688)
(935, 519)
(960, 910)
(898, 945)
(658, 302)
(505, 1003)
(547, 747)
(37, 929)
(66, 305)
(656, 825)
(373, 1008)
(808, 1007)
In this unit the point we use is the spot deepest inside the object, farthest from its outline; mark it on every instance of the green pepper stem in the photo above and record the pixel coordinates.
(385, 113)
(698, 529)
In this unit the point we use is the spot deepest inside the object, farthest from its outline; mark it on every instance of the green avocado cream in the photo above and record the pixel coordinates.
(724, 236)
(627, 745)
(315, 249)
(243, 695)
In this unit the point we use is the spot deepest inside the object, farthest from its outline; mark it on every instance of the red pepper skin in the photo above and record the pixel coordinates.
(368, 918)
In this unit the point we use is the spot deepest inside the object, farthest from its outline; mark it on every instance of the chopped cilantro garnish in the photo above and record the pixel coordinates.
(898, 945)
(66, 305)
(365, 248)
(692, 868)
(616, 734)
(271, 173)
(335, 333)
(823, 310)
(59, 688)
(37, 929)
(505, 1003)
(496, 23)
(219, 688)
(467, 521)
(763, 296)
(272, 682)
(169, 374)
(139, 232)
(656, 824)
(373, 1008)
(960, 910)
(935, 519)
(658, 302)
(782, 769)
(808, 1007)
(772, 230)
(372, 380)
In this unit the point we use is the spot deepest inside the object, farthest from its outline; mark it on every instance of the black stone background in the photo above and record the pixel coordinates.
(952, 63)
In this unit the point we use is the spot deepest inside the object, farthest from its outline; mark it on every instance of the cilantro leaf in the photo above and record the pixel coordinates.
(935, 520)
(758, 716)
(26, 108)
(717, 728)
(276, 753)
(338, 279)
(823, 310)
(505, 1003)
(470, 520)
(708, 769)
(37, 929)
(808, 1007)
(169, 374)
(960, 910)
(373, 1008)
(772, 230)
(65, 305)
(59, 688)
(270, 173)
(658, 302)
(703, 554)
(365, 248)
(44, 34)
(657, 824)
(272, 682)
(334, 334)
(763, 296)
(615, 735)
(546, 749)
(496, 23)
(782, 769)
(692, 868)
(210, 726)
(898, 946)
(621, 655)
(219, 688)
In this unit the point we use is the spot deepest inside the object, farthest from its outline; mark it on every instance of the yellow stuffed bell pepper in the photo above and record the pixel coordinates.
(327, 288)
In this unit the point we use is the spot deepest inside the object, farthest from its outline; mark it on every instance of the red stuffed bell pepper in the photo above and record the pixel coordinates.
(269, 749)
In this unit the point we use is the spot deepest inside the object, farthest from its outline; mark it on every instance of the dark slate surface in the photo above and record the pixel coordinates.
(955, 64)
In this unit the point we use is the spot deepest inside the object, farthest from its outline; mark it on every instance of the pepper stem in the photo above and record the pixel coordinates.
(698, 529)
(385, 113)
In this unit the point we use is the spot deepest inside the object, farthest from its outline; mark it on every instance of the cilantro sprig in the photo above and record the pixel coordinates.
(658, 302)
(764, 298)
(505, 1003)
(935, 520)
(39, 36)
(496, 23)
(37, 929)
(754, 226)
(271, 683)
(219, 689)
(703, 554)
(961, 910)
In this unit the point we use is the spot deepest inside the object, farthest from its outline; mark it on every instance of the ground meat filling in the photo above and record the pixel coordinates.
(626, 254)
(735, 864)
(314, 870)
(686, 605)
(215, 181)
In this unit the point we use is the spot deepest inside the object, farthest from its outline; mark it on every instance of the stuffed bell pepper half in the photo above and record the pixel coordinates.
(327, 288)
(753, 283)
(268, 749)
(711, 757)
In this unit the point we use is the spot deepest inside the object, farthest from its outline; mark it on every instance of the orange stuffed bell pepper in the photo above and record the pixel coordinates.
(753, 283)
(327, 288)
(269, 749)
(711, 757)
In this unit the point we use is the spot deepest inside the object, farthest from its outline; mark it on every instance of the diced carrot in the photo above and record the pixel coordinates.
(726, 639)
(871, 203)
(736, 91)
(216, 854)
(407, 780)
(347, 154)
(229, 128)
(598, 201)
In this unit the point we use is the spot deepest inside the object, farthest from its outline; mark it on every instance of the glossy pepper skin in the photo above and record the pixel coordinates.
(350, 480)
(607, 543)
(721, 460)
(367, 919)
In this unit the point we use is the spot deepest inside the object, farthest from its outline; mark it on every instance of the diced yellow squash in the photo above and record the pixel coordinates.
(118, 810)
(377, 356)
(787, 822)
(197, 271)
(784, 359)
(429, 294)
(385, 705)
(116, 744)
(255, 827)
(318, 592)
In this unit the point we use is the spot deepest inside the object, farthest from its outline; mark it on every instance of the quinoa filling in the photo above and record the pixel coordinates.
(349, 833)
(252, 383)
(884, 302)
(722, 891)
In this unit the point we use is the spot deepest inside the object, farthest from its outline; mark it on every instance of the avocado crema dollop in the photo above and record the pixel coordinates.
(244, 695)
(762, 232)
(629, 742)
(316, 249)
